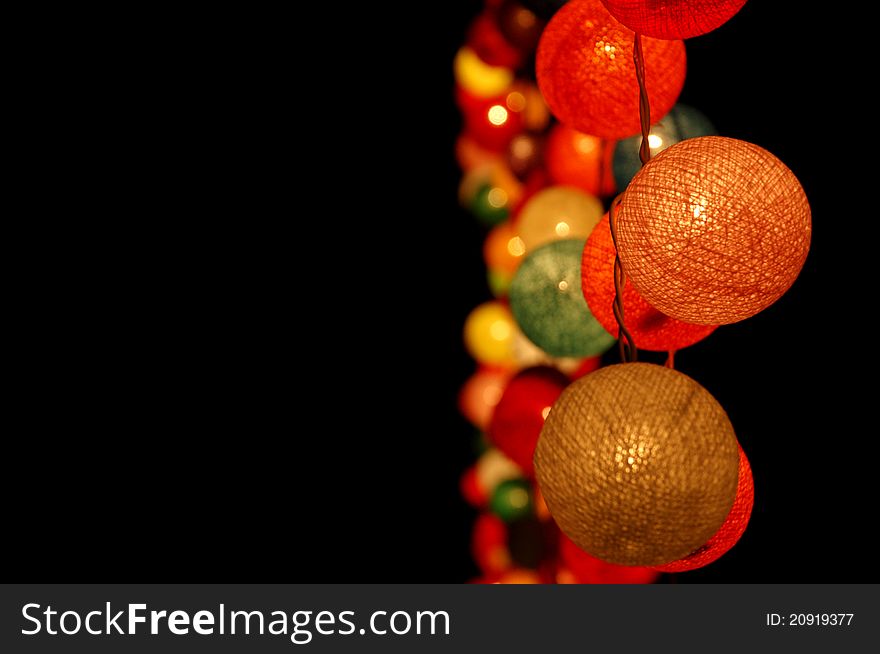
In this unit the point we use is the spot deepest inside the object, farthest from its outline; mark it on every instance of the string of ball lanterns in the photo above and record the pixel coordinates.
(587, 472)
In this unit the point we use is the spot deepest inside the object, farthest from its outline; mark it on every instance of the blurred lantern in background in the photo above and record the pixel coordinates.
(519, 416)
(490, 45)
(490, 204)
(735, 226)
(732, 529)
(525, 154)
(479, 78)
(673, 19)
(519, 25)
(512, 499)
(471, 490)
(555, 213)
(480, 394)
(586, 72)
(489, 545)
(546, 299)
(503, 249)
(492, 122)
(650, 329)
(580, 160)
(494, 468)
(488, 334)
(525, 98)
(682, 122)
(638, 464)
(469, 154)
(490, 191)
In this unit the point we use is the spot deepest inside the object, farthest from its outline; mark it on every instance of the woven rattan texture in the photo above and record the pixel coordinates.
(650, 329)
(713, 230)
(673, 19)
(586, 72)
(638, 464)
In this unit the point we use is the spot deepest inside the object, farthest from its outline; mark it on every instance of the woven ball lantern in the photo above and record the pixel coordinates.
(519, 415)
(673, 19)
(713, 230)
(638, 464)
(650, 329)
(682, 122)
(558, 212)
(580, 160)
(549, 307)
(586, 72)
(730, 532)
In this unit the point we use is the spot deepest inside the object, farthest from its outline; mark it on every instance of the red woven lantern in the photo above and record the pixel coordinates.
(586, 72)
(732, 529)
(713, 230)
(650, 329)
(519, 415)
(580, 160)
(673, 19)
(581, 568)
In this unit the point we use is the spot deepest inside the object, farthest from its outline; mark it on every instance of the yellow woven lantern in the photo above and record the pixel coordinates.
(555, 213)
(638, 464)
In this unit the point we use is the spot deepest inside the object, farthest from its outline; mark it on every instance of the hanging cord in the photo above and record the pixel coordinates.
(628, 350)
(644, 105)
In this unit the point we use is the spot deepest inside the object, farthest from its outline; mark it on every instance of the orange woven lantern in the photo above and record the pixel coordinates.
(650, 329)
(503, 249)
(713, 230)
(581, 160)
(732, 529)
(673, 19)
(638, 464)
(586, 72)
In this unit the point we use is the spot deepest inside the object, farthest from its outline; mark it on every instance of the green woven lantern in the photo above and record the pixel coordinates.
(547, 302)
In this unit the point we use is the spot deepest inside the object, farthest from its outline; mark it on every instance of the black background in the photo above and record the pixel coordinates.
(247, 369)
